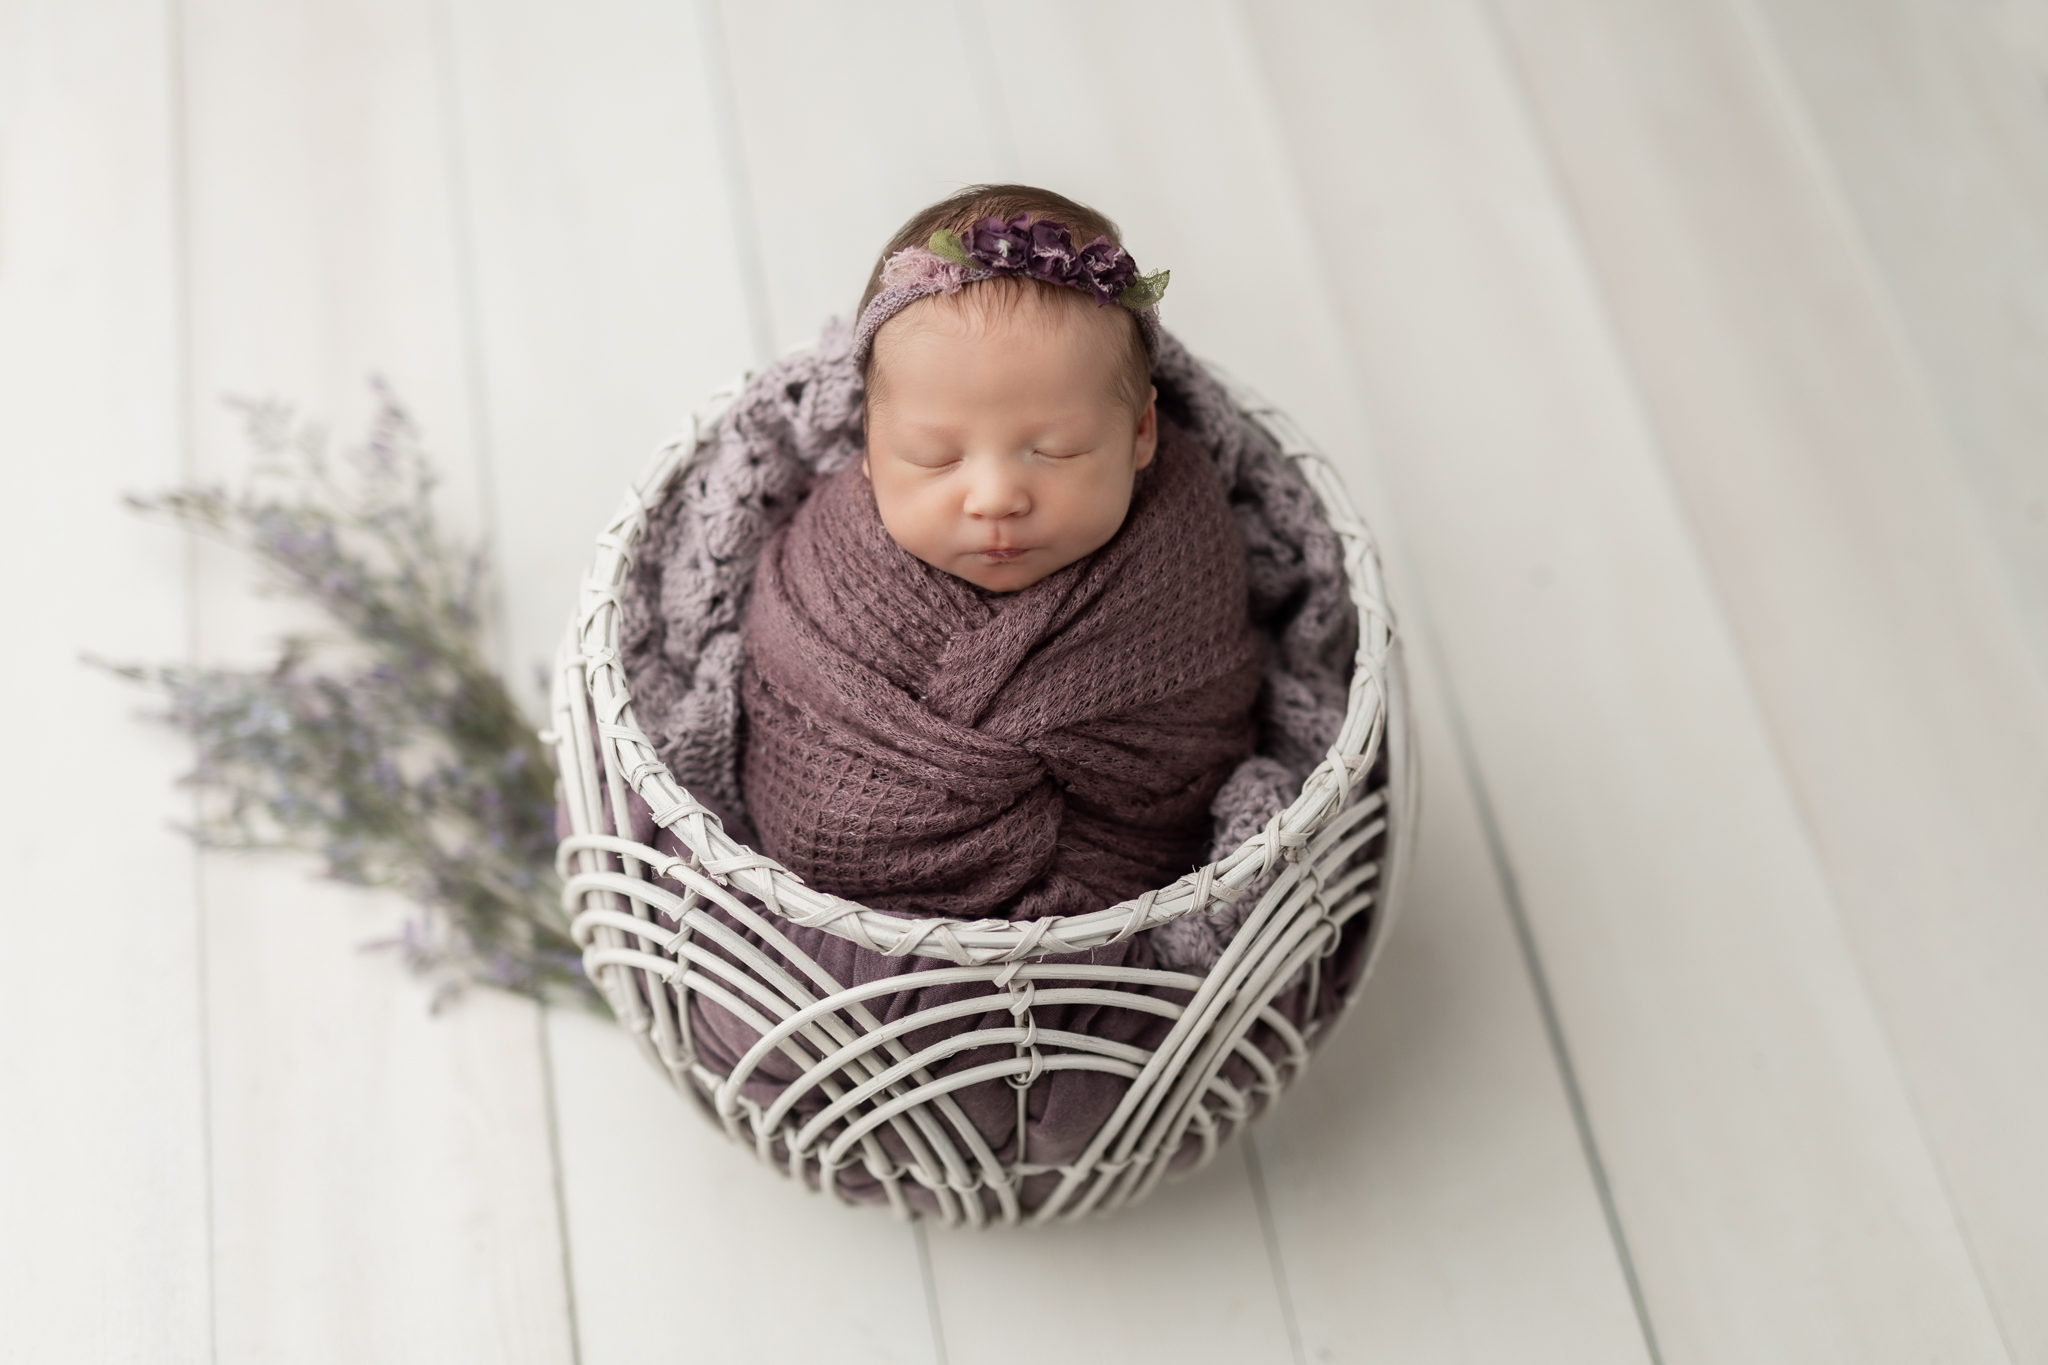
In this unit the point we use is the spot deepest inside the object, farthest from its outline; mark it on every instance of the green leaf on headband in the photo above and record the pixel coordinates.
(1144, 291)
(949, 246)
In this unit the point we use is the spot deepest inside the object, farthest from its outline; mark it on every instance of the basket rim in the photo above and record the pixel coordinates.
(590, 651)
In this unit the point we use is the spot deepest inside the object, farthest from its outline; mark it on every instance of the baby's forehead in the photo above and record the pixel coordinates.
(999, 307)
(1047, 326)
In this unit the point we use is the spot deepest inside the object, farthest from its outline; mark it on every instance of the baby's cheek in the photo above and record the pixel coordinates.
(1110, 505)
(909, 520)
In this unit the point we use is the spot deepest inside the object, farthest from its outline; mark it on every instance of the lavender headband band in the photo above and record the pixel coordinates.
(1040, 250)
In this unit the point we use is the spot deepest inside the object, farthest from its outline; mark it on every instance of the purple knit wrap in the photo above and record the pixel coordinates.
(918, 744)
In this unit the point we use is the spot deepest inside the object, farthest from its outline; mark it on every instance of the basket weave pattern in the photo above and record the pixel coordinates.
(651, 948)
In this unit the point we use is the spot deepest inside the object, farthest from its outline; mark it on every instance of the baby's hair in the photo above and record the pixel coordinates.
(957, 212)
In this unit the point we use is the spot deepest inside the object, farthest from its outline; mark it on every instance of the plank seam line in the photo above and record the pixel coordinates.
(1254, 1167)
(469, 309)
(931, 1291)
(1546, 1007)
(739, 194)
(179, 147)
(476, 392)
(551, 1100)
(988, 87)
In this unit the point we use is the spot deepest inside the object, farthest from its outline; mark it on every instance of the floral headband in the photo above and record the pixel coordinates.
(1041, 250)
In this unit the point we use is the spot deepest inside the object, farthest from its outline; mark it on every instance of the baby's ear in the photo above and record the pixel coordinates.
(1147, 444)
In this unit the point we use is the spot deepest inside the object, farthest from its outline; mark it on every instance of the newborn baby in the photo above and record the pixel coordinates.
(1007, 659)
(1001, 666)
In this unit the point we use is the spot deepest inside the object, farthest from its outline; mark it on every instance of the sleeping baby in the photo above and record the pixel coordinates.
(1002, 664)
(978, 609)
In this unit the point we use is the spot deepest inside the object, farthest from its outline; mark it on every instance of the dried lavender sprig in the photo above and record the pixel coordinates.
(393, 749)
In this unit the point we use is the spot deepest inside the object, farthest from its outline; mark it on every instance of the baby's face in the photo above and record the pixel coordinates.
(999, 448)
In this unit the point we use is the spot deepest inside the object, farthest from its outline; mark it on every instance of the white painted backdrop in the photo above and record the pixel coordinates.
(1691, 358)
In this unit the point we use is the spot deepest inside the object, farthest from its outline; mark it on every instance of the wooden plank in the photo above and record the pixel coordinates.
(610, 302)
(103, 1161)
(603, 260)
(850, 119)
(1182, 1277)
(1389, 1167)
(385, 1188)
(1430, 1193)
(1800, 300)
(1937, 142)
(2022, 30)
(686, 1246)
(1773, 1186)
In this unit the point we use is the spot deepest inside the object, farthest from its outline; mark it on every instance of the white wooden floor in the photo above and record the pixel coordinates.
(1691, 357)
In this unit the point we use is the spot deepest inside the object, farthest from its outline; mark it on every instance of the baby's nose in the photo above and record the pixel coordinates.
(995, 491)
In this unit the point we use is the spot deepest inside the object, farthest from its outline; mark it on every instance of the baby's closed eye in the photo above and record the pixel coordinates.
(929, 457)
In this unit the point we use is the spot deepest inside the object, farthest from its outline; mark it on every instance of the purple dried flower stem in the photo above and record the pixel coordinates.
(401, 759)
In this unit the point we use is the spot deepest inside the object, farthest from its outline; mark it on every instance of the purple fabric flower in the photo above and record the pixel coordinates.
(1052, 253)
(1000, 246)
(1105, 268)
(1045, 251)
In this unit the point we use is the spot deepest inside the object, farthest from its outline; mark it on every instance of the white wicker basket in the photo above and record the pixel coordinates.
(1179, 1106)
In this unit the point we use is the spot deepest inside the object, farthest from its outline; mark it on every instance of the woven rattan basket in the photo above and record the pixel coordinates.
(863, 1077)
